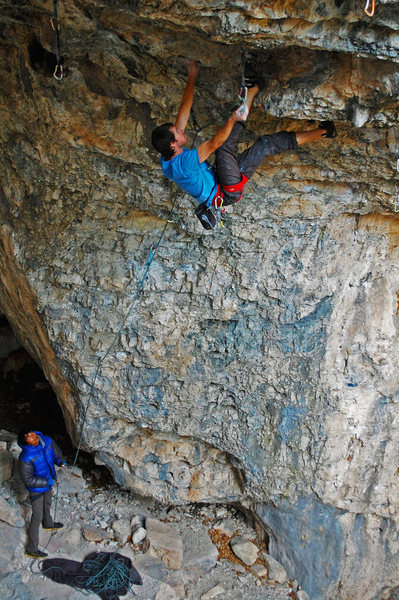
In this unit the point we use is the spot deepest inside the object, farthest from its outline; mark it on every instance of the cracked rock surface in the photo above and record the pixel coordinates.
(200, 573)
(257, 364)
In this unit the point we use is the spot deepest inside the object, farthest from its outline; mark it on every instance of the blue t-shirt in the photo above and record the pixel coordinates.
(191, 175)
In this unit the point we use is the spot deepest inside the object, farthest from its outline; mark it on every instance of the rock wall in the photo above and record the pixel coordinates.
(256, 364)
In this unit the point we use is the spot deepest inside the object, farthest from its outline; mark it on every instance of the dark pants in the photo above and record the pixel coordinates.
(229, 166)
(40, 514)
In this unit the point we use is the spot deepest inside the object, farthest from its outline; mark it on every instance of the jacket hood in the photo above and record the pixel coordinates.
(21, 438)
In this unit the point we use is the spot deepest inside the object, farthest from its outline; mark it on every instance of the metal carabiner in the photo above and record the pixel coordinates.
(61, 75)
(370, 12)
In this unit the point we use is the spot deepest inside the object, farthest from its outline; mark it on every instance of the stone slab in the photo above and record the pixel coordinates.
(163, 541)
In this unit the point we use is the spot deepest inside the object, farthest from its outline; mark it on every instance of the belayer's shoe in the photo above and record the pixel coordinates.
(38, 555)
(55, 527)
(329, 126)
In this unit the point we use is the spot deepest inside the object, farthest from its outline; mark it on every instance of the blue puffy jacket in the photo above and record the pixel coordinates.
(36, 464)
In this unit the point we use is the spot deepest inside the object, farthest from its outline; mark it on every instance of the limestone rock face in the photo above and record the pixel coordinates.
(257, 364)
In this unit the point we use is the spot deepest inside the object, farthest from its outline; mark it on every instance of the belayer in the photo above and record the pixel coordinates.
(36, 465)
(224, 184)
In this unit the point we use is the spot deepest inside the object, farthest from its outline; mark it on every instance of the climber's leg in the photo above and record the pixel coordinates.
(270, 145)
(227, 168)
(266, 145)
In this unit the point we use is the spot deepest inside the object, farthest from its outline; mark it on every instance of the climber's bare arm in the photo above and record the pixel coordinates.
(206, 148)
(187, 100)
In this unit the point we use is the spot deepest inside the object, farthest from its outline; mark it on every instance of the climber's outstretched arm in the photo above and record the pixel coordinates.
(187, 100)
(241, 114)
(206, 148)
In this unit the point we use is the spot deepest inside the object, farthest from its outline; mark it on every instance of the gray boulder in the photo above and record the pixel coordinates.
(244, 549)
(9, 512)
(276, 571)
(6, 463)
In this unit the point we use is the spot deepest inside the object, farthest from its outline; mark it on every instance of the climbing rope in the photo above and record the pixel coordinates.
(197, 127)
(58, 71)
(108, 577)
(369, 11)
(396, 202)
(152, 253)
(106, 574)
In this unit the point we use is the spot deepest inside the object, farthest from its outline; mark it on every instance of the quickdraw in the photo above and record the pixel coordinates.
(243, 93)
(219, 210)
(58, 71)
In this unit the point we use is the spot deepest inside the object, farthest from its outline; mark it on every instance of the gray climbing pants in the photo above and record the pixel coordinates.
(229, 166)
(41, 504)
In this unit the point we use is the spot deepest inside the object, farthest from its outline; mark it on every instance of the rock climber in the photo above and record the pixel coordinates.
(224, 184)
(36, 465)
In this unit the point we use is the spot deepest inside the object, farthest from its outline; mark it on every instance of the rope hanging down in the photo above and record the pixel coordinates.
(153, 250)
(152, 253)
(58, 71)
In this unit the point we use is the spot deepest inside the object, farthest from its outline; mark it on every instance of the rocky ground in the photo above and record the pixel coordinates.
(179, 552)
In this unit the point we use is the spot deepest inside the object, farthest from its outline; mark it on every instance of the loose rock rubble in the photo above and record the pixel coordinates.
(181, 552)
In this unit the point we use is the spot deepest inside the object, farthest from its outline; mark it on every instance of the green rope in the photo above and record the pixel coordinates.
(105, 577)
(106, 573)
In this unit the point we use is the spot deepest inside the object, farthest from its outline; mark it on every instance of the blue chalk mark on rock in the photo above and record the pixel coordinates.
(290, 422)
(306, 334)
(307, 538)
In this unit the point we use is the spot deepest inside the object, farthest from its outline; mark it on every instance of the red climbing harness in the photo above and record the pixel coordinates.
(238, 187)
(228, 189)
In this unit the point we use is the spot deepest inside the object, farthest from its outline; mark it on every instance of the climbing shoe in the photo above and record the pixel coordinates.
(206, 216)
(55, 527)
(329, 126)
(38, 555)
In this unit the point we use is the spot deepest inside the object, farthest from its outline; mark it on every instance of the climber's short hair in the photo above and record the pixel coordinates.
(162, 137)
